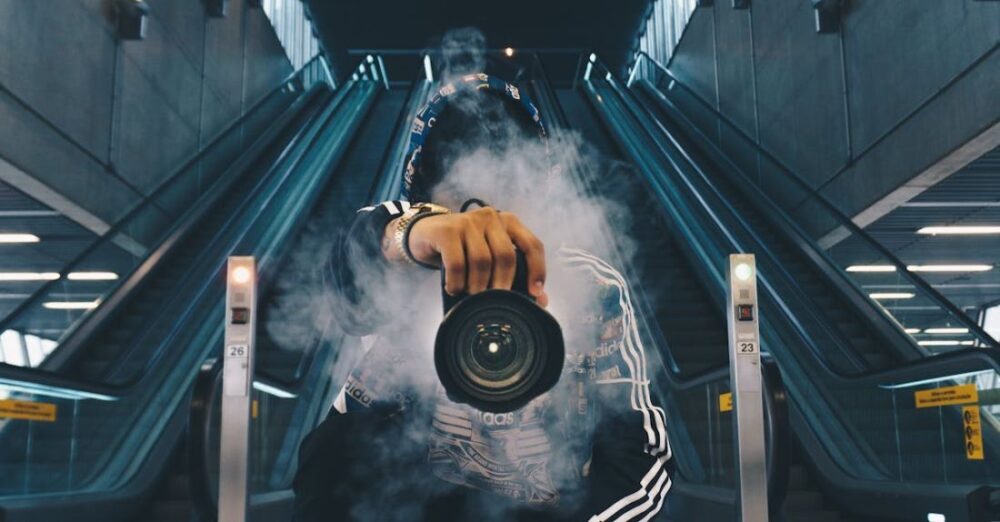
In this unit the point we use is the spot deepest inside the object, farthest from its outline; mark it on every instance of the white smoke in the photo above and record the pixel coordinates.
(463, 51)
(536, 180)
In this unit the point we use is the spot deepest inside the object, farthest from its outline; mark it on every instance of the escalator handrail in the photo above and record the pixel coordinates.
(698, 379)
(200, 414)
(842, 219)
(85, 330)
(777, 435)
(203, 395)
(386, 176)
(110, 234)
(732, 244)
(837, 336)
(735, 245)
(49, 382)
(942, 367)
(776, 418)
(775, 396)
(923, 366)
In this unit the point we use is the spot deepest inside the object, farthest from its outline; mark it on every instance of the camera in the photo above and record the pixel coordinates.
(497, 350)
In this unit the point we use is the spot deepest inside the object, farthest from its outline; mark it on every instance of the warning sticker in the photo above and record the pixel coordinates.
(946, 396)
(27, 410)
(973, 433)
(726, 402)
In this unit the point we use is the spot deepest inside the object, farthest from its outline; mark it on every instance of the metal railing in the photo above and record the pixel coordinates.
(948, 477)
(147, 224)
(843, 222)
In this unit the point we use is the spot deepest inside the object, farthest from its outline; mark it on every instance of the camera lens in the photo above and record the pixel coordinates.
(493, 349)
(497, 350)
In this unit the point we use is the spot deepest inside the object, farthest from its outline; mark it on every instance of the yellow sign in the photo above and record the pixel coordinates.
(973, 433)
(726, 402)
(254, 409)
(946, 396)
(36, 411)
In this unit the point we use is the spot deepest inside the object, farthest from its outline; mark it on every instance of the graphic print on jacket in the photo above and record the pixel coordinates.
(541, 453)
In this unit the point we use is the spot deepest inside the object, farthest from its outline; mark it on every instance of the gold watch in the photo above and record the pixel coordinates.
(401, 234)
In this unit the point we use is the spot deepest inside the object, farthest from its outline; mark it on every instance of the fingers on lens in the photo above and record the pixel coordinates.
(453, 261)
(504, 258)
(479, 259)
(534, 255)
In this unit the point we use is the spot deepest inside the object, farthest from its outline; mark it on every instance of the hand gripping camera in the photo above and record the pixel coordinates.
(497, 350)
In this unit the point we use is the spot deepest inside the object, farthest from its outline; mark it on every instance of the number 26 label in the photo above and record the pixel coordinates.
(237, 350)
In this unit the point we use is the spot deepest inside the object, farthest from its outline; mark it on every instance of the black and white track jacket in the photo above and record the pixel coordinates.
(600, 421)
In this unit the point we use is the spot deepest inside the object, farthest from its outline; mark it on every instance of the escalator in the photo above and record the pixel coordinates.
(124, 375)
(119, 375)
(681, 316)
(863, 449)
(298, 342)
(692, 384)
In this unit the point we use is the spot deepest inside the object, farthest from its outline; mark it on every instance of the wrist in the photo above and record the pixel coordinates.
(388, 243)
(396, 238)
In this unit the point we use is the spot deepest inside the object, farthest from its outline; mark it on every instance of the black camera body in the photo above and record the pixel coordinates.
(497, 350)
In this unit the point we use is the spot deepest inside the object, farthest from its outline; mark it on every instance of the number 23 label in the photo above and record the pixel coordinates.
(746, 347)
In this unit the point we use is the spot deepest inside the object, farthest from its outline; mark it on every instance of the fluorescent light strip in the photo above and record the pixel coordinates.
(912, 330)
(920, 268)
(273, 390)
(946, 330)
(29, 276)
(92, 276)
(70, 305)
(19, 238)
(960, 230)
(949, 268)
(939, 343)
(891, 295)
(871, 268)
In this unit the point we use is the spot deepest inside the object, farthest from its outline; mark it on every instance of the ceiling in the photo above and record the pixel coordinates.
(970, 196)
(581, 25)
(61, 240)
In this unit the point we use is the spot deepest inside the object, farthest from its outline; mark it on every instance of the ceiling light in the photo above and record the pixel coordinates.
(70, 305)
(92, 276)
(509, 52)
(968, 343)
(912, 330)
(946, 330)
(19, 238)
(29, 276)
(891, 295)
(938, 343)
(960, 230)
(949, 268)
(871, 268)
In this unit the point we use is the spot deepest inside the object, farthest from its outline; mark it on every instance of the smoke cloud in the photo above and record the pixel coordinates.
(538, 181)
(463, 51)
